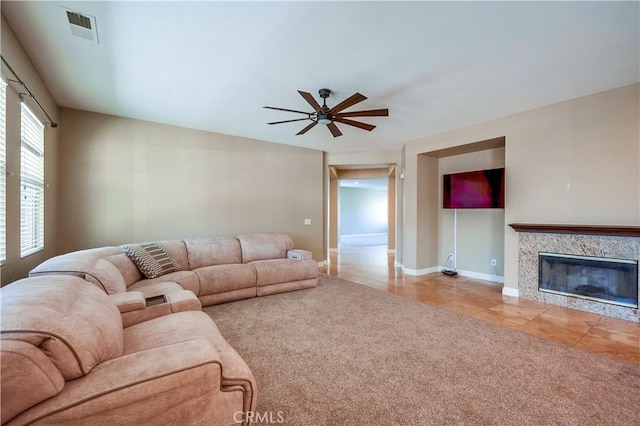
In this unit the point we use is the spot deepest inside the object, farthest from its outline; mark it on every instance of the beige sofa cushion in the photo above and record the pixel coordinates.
(222, 278)
(208, 251)
(278, 271)
(28, 377)
(175, 384)
(106, 277)
(127, 268)
(264, 246)
(178, 251)
(184, 280)
(185, 327)
(45, 312)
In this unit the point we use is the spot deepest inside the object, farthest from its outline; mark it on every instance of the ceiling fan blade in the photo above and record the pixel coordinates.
(350, 101)
(306, 129)
(357, 124)
(334, 129)
(368, 113)
(289, 121)
(310, 99)
(285, 109)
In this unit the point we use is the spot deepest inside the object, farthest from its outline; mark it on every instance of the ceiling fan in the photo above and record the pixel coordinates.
(329, 116)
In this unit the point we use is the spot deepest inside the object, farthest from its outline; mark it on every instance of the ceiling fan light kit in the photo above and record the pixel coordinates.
(324, 119)
(329, 116)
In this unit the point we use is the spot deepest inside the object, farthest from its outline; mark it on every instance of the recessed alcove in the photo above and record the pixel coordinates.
(478, 234)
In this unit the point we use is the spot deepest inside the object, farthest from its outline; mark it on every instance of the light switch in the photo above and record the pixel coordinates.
(307, 221)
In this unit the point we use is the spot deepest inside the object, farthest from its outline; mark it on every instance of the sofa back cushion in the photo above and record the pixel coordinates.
(178, 252)
(129, 271)
(107, 277)
(74, 324)
(76, 263)
(264, 246)
(209, 251)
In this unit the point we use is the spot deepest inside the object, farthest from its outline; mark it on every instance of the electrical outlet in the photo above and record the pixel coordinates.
(307, 221)
(494, 262)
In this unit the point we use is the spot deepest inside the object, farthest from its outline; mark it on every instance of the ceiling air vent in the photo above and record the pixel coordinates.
(83, 26)
(79, 20)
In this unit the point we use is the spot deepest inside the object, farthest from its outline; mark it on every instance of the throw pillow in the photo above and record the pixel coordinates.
(151, 259)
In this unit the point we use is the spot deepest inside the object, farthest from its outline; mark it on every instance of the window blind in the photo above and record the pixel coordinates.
(3, 171)
(31, 184)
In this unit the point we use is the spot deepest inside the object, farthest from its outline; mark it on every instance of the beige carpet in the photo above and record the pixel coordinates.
(347, 354)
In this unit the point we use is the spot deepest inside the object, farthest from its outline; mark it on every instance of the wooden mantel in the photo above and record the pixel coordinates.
(618, 231)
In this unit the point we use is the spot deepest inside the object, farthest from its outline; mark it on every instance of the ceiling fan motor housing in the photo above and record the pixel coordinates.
(323, 118)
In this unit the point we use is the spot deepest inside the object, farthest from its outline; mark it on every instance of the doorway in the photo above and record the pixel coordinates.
(363, 212)
(363, 221)
(362, 215)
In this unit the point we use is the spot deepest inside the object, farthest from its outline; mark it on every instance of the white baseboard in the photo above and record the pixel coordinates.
(418, 272)
(481, 276)
(323, 263)
(509, 291)
(461, 272)
(397, 264)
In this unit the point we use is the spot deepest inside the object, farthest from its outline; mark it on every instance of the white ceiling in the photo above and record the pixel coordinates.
(437, 66)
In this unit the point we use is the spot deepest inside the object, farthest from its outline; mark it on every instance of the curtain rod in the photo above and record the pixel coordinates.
(52, 123)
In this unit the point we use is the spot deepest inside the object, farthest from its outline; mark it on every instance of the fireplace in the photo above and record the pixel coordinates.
(592, 268)
(605, 280)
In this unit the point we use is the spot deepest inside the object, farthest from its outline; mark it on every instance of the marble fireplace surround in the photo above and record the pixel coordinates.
(620, 242)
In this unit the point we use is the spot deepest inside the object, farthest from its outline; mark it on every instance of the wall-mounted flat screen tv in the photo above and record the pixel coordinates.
(480, 189)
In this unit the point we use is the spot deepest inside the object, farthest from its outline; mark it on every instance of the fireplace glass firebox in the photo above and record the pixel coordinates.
(606, 280)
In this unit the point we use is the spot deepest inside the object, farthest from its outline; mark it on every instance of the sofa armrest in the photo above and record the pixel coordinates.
(160, 305)
(173, 384)
(129, 301)
(299, 254)
(183, 300)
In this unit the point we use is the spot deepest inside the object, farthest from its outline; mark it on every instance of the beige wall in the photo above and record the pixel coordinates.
(368, 159)
(572, 162)
(420, 214)
(13, 52)
(480, 232)
(333, 212)
(391, 203)
(428, 172)
(124, 180)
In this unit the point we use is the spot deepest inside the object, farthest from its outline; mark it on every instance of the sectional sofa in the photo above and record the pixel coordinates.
(116, 335)
(215, 269)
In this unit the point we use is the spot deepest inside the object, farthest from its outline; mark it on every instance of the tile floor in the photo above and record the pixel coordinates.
(372, 266)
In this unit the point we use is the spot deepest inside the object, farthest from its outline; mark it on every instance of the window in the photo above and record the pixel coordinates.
(3, 172)
(31, 184)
